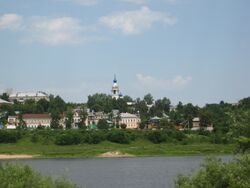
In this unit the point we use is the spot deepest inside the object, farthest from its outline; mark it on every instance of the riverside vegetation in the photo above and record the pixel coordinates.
(217, 174)
(83, 143)
(21, 176)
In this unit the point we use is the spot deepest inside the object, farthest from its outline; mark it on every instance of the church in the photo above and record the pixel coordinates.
(115, 92)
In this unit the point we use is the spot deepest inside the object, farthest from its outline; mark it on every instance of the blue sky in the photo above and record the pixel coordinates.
(187, 50)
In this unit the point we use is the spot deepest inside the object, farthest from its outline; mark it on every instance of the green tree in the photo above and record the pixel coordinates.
(43, 105)
(100, 102)
(57, 104)
(5, 96)
(245, 103)
(123, 126)
(141, 107)
(102, 124)
(240, 129)
(69, 119)
(21, 122)
(217, 174)
(55, 118)
(190, 112)
(16, 175)
(148, 99)
(205, 118)
(166, 124)
(117, 120)
(83, 116)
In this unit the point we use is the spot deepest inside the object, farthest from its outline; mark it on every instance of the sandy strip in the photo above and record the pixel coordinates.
(7, 156)
(114, 154)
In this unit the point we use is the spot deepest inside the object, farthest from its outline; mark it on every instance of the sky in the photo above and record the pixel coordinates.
(186, 50)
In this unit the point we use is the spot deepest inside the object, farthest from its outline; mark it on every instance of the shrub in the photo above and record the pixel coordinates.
(156, 136)
(94, 137)
(217, 174)
(218, 138)
(102, 124)
(23, 176)
(123, 126)
(68, 138)
(179, 135)
(9, 136)
(118, 136)
(34, 138)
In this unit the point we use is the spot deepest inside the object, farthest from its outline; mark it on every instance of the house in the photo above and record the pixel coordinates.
(131, 120)
(31, 120)
(172, 108)
(179, 127)
(94, 117)
(195, 124)
(154, 122)
(23, 96)
(35, 120)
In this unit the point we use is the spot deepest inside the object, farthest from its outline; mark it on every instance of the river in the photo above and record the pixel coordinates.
(142, 172)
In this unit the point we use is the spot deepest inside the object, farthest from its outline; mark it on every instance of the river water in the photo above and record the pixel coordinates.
(143, 172)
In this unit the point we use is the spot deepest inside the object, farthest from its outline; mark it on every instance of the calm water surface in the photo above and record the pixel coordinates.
(147, 172)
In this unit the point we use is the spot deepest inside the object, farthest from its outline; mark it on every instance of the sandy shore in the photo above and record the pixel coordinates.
(114, 154)
(7, 156)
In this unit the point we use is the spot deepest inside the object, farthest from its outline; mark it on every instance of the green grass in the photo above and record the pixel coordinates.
(137, 148)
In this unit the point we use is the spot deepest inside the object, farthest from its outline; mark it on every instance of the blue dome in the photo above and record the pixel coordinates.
(115, 80)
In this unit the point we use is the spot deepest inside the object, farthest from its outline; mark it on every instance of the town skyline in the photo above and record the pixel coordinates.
(191, 51)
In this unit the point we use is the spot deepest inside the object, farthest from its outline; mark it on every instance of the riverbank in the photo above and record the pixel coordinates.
(20, 156)
(139, 148)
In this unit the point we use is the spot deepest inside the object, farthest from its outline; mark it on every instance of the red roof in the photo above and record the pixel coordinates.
(36, 116)
(179, 127)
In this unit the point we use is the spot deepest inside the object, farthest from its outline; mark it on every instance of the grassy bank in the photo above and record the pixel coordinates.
(137, 148)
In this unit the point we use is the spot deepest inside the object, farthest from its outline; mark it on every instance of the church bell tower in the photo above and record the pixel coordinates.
(115, 89)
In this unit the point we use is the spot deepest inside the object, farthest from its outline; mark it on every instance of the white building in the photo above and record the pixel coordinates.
(131, 120)
(197, 125)
(4, 102)
(31, 120)
(94, 117)
(23, 96)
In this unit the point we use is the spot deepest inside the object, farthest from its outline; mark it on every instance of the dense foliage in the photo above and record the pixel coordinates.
(217, 174)
(9, 136)
(23, 176)
(120, 137)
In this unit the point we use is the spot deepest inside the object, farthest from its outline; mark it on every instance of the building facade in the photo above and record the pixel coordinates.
(94, 117)
(23, 96)
(31, 120)
(131, 120)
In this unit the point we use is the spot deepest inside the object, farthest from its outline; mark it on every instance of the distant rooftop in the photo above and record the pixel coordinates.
(128, 115)
(4, 102)
(29, 94)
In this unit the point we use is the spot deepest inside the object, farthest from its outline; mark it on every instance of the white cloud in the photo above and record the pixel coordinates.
(144, 2)
(50, 31)
(178, 82)
(10, 21)
(140, 2)
(82, 2)
(54, 31)
(135, 22)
